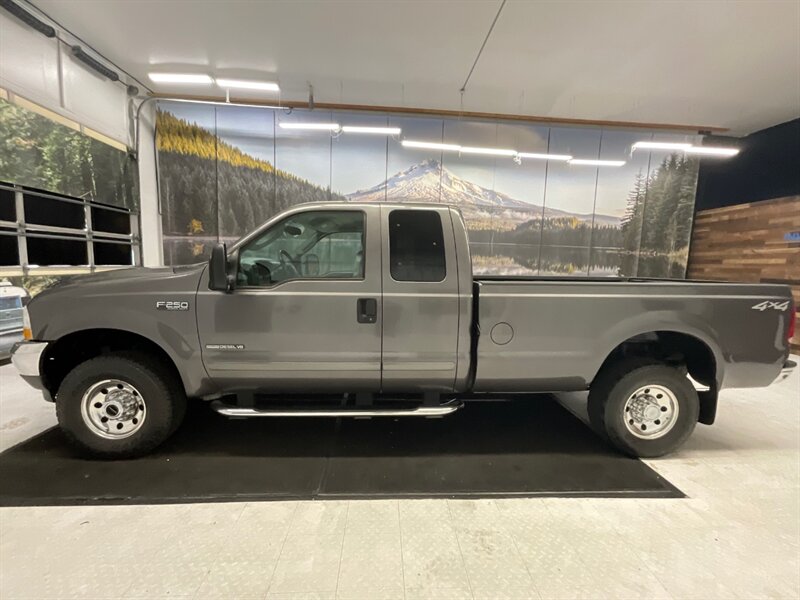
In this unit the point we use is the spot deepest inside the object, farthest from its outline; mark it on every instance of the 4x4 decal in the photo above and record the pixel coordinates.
(762, 306)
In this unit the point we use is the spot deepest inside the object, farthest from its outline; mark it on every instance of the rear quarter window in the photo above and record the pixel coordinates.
(416, 246)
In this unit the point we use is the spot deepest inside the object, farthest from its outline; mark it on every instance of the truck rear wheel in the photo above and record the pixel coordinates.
(119, 405)
(643, 407)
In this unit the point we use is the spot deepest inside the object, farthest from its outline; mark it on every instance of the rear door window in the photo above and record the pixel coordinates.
(416, 245)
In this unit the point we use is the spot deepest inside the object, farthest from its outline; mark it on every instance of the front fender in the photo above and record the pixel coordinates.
(135, 305)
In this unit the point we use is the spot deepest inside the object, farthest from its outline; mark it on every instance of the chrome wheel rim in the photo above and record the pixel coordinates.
(651, 412)
(113, 409)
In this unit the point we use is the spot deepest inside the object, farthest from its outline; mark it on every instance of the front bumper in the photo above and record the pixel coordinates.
(788, 367)
(26, 357)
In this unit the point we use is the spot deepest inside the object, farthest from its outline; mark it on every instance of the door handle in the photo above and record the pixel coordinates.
(367, 310)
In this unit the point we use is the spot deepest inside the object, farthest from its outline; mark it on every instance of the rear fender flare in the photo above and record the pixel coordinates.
(651, 322)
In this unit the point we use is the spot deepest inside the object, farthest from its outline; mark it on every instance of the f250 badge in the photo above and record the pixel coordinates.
(171, 305)
(762, 306)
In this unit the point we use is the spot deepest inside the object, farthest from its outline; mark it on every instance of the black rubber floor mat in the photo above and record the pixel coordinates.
(526, 447)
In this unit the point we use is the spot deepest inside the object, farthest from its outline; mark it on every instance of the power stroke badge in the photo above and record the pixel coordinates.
(224, 346)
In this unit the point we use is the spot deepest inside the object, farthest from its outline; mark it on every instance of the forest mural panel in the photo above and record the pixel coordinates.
(43, 154)
(223, 170)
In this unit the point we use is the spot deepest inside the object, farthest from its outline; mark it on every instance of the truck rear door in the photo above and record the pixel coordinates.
(420, 299)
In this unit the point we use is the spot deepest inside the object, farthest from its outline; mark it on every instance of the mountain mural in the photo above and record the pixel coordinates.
(429, 181)
(211, 189)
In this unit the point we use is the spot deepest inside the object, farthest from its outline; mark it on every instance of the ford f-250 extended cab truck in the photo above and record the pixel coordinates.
(344, 309)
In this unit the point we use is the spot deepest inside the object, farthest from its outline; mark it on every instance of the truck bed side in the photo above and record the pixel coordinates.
(546, 335)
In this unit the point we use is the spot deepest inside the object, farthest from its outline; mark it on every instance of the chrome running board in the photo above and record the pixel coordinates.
(419, 411)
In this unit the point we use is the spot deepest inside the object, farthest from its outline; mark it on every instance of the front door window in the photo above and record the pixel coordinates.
(324, 244)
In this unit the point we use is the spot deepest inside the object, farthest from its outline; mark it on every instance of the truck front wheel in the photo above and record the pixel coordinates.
(119, 405)
(643, 407)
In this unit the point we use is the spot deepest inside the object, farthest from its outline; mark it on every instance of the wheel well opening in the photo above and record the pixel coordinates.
(670, 347)
(67, 352)
(680, 350)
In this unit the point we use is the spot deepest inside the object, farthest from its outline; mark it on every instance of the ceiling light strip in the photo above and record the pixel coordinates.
(596, 163)
(713, 151)
(685, 147)
(539, 156)
(488, 151)
(652, 145)
(242, 84)
(482, 150)
(310, 126)
(374, 130)
(430, 145)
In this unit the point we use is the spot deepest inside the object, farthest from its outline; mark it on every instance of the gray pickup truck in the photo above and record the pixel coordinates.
(367, 310)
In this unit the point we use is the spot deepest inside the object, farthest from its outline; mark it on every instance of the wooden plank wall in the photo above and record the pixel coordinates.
(746, 242)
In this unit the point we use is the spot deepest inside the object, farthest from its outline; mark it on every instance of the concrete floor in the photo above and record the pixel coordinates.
(737, 535)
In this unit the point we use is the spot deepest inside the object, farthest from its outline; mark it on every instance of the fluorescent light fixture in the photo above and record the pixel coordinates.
(313, 126)
(648, 145)
(180, 78)
(544, 156)
(596, 163)
(457, 148)
(686, 147)
(489, 151)
(376, 130)
(713, 150)
(430, 145)
(241, 84)
(508, 152)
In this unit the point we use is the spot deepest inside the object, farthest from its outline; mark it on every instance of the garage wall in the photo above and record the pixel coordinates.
(223, 170)
(752, 242)
(768, 166)
(748, 225)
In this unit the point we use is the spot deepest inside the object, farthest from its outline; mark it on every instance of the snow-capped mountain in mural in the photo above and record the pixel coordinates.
(429, 181)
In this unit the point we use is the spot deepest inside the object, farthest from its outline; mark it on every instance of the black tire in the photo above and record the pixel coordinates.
(618, 382)
(162, 393)
(179, 403)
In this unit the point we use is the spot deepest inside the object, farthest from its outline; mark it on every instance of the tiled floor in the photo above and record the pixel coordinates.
(736, 536)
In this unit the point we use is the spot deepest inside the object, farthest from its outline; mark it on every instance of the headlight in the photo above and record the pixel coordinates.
(27, 333)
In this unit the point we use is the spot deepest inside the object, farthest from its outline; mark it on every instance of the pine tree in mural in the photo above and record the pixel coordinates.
(43, 154)
(632, 221)
(632, 226)
(658, 219)
(205, 179)
(684, 210)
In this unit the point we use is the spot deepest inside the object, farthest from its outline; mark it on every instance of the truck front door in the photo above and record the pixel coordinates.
(305, 313)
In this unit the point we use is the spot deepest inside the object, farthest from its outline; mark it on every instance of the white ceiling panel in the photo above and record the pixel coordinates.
(703, 62)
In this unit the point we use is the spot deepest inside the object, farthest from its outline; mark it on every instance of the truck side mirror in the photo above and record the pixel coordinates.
(218, 269)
